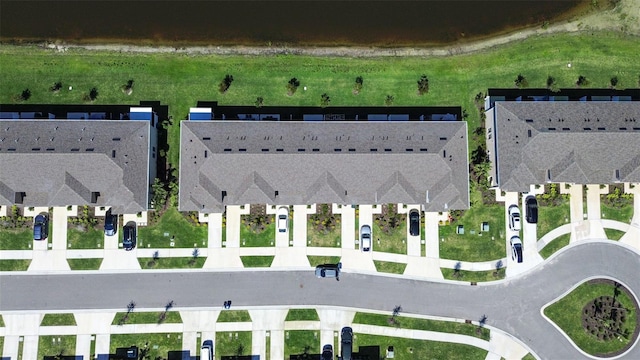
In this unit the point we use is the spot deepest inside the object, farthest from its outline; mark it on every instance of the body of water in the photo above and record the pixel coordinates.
(300, 22)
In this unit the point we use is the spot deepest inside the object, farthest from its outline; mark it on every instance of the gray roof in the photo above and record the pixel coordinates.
(66, 162)
(574, 142)
(299, 163)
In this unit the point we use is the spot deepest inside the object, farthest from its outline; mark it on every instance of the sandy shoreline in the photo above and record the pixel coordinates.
(625, 18)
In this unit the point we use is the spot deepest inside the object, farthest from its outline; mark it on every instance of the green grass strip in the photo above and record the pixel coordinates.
(256, 261)
(58, 320)
(555, 245)
(84, 264)
(302, 315)
(412, 349)
(122, 318)
(390, 267)
(234, 316)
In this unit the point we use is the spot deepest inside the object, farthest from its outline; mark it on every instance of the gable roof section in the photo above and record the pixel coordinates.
(75, 162)
(297, 163)
(575, 142)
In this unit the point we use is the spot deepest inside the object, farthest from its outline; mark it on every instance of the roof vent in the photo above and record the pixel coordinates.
(116, 139)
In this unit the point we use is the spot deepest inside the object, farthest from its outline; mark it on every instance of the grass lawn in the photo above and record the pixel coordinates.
(1, 321)
(58, 320)
(14, 265)
(555, 245)
(265, 238)
(172, 263)
(159, 343)
(90, 239)
(302, 314)
(85, 264)
(473, 276)
(567, 314)
(411, 349)
(52, 345)
(233, 343)
(318, 260)
(613, 234)
(422, 324)
(551, 217)
(395, 242)
(16, 239)
(475, 245)
(322, 239)
(256, 261)
(234, 316)
(180, 80)
(172, 317)
(390, 267)
(529, 357)
(172, 224)
(622, 214)
(300, 341)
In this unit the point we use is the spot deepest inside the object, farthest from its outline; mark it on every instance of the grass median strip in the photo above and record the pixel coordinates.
(412, 349)
(85, 264)
(302, 315)
(389, 267)
(58, 320)
(256, 261)
(172, 317)
(473, 276)
(172, 263)
(234, 316)
(404, 322)
(613, 234)
(318, 260)
(14, 265)
(555, 245)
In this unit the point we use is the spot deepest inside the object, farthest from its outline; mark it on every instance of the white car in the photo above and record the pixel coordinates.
(283, 219)
(516, 248)
(514, 218)
(365, 238)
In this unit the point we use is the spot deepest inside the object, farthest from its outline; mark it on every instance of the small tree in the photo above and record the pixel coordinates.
(259, 101)
(292, 86)
(56, 87)
(423, 85)
(194, 256)
(389, 100)
(521, 81)
(25, 95)
(92, 95)
(358, 85)
(551, 83)
(225, 83)
(582, 81)
(324, 100)
(614, 82)
(128, 87)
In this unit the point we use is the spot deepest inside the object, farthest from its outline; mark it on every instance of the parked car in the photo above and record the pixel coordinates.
(531, 208)
(283, 219)
(41, 227)
(206, 351)
(516, 248)
(129, 236)
(365, 238)
(327, 352)
(329, 271)
(514, 218)
(414, 222)
(346, 343)
(110, 223)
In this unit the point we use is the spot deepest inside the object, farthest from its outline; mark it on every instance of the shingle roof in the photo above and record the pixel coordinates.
(66, 162)
(574, 142)
(240, 162)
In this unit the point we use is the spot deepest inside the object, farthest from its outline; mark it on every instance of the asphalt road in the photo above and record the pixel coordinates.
(513, 305)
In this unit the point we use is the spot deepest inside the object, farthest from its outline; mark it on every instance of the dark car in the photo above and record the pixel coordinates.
(414, 222)
(531, 208)
(329, 271)
(346, 343)
(110, 223)
(40, 227)
(129, 236)
(327, 352)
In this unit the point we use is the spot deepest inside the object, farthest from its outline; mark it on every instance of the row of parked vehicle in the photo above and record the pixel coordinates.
(515, 224)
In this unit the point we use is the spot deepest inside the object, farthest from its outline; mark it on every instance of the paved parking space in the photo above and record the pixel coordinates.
(214, 229)
(413, 242)
(348, 224)
(233, 224)
(300, 216)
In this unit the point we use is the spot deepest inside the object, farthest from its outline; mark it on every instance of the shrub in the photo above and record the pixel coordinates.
(521, 81)
(358, 85)
(128, 87)
(614, 82)
(389, 100)
(225, 83)
(259, 101)
(324, 100)
(292, 86)
(25, 95)
(582, 81)
(56, 87)
(423, 85)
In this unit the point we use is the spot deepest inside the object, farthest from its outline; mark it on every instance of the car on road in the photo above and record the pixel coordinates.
(514, 218)
(346, 343)
(414, 222)
(41, 227)
(110, 223)
(516, 248)
(327, 352)
(365, 238)
(329, 271)
(283, 219)
(129, 236)
(531, 208)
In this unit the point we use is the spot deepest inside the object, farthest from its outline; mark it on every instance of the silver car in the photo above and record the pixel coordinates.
(365, 238)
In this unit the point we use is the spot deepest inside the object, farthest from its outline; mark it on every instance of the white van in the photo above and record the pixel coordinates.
(206, 351)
